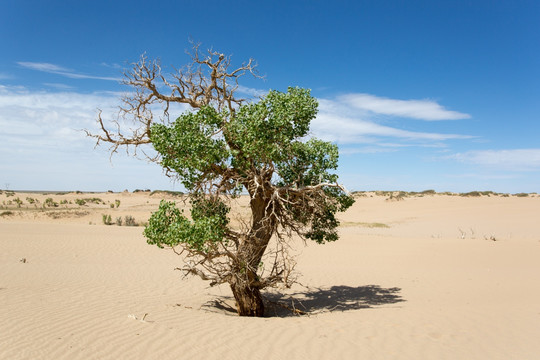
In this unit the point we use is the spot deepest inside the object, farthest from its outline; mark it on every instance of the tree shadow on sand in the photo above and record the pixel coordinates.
(318, 300)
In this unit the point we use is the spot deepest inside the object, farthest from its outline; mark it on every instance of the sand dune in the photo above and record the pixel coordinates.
(432, 277)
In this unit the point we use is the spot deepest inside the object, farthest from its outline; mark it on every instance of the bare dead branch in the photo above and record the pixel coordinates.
(207, 80)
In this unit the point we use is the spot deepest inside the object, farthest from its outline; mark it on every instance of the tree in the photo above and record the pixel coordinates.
(222, 148)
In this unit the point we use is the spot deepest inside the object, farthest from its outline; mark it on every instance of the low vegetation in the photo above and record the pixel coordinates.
(401, 195)
(128, 220)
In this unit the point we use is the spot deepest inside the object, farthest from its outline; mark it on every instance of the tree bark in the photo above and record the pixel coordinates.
(248, 300)
(247, 287)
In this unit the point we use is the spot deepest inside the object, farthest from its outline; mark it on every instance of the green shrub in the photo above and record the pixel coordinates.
(49, 202)
(472, 193)
(107, 220)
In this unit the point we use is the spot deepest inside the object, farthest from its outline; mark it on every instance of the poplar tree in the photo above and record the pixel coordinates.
(223, 148)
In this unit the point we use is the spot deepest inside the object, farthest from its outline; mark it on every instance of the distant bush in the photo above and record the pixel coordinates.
(107, 220)
(472, 193)
(9, 193)
(49, 202)
(82, 202)
(6, 213)
(119, 221)
(117, 203)
(31, 200)
(130, 221)
(95, 201)
(521, 194)
(173, 193)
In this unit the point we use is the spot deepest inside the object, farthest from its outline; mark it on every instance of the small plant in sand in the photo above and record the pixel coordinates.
(117, 203)
(225, 147)
(119, 221)
(49, 202)
(18, 201)
(107, 220)
(130, 221)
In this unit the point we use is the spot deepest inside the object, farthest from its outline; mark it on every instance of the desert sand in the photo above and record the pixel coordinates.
(427, 277)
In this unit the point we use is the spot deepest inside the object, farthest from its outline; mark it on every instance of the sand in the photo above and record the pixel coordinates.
(432, 277)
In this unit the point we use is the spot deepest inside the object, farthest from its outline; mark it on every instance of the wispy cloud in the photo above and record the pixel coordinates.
(342, 121)
(414, 109)
(257, 93)
(59, 86)
(510, 160)
(51, 117)
(59, 70)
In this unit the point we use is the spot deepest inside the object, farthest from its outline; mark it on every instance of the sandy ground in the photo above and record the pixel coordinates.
(432, 277)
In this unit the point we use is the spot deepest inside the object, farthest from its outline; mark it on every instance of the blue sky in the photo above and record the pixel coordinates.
(418, 95)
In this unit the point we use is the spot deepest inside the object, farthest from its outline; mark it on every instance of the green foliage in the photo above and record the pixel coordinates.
(31, 200)
(472, 193)
(94, 200)
(107, 220)
(117, 203)
(18, 201)
(49, 202)
(169, 227)
(210, 147)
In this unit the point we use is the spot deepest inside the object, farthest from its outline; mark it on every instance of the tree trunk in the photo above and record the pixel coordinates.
(247, 288)
(248, 300)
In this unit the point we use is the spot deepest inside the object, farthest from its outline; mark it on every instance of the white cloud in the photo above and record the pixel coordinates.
(43, 147)
(513, 160)
(342, 122)
(257, 93)
(47, 118)
(415, 109)
(58, 86)
(59, 70)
